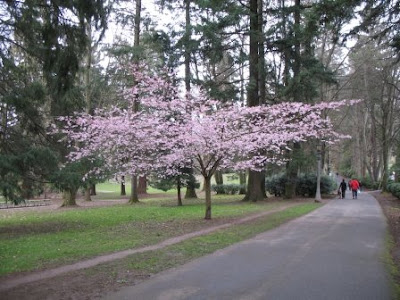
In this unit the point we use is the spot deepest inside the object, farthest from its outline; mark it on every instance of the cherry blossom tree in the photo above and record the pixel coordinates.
(172, 131)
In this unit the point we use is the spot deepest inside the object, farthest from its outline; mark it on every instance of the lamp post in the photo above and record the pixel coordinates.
(318, 193)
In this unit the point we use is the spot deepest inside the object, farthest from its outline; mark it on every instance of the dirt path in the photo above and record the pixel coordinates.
(18, 280)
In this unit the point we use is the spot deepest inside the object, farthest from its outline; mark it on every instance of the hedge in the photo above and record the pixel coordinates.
(394, 188)
(229, 189)
(306, 185)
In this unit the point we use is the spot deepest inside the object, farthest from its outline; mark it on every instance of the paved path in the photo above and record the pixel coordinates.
(333, 253)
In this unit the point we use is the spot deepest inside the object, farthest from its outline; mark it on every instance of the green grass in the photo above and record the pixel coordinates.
(34, 240)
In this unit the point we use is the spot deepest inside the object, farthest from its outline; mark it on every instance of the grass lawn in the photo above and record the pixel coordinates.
(33, 240)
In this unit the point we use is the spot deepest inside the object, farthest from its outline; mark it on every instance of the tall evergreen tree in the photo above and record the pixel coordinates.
(48, 39)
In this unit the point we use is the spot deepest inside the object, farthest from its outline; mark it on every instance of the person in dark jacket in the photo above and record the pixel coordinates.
(343, 188)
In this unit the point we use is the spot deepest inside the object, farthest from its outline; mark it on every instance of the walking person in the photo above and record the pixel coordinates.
(355, 185)
(342, 189)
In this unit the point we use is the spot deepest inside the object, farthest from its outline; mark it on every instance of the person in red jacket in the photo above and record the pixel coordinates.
(354, 185)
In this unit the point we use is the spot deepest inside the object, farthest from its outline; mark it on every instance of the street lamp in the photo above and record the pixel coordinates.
(318, 193)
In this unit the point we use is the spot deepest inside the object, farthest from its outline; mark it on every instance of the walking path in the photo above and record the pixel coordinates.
(35, 276)
(335, 252)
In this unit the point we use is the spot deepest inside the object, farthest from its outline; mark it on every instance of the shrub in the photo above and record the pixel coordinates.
(394, 188)
(230, 189)
(306, 185)
(367, 182)
(164, 184)
(275, 185)
(218, 188)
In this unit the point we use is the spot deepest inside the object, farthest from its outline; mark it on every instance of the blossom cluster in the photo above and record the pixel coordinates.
(171, 131)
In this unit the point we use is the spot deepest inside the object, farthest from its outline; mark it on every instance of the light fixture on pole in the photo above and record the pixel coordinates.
(318, 193)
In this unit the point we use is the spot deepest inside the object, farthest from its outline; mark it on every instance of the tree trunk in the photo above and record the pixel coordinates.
(69, 197)
(87, 194)
(88, 68)
(136, 41)
(134, 190)
(138, 11)
(254, 187)
(187, 45)
(123, 190)
(26, 189)
(191, 186)
(397, 174)
(207, 188)
(142, 187)
(178, 188)
(261, 54)
(291, 173)
(242, 181)
(87, 80)
(385, 159)
(218, 177)
(297, 54)
(254, 191)
(93, 190)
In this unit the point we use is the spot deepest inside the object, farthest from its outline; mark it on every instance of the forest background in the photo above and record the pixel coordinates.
(57, 59)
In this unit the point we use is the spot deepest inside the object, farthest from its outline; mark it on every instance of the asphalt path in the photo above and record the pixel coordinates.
(335, 252)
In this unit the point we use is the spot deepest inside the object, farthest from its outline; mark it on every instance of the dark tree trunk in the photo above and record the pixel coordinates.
(207, 188)
(134, 187)
(191, 185)
(385, 159)
(87, 80)
(138, 11)
(178, 188)
(187, 45)
(87, 194)
(134, 198)
(242, 181)
(291, 173)
(254, 191)
(69, 197)
(261, 54)
(27, 189)
(123, 189)
(93, 190)
(218, 177)
(142, 186)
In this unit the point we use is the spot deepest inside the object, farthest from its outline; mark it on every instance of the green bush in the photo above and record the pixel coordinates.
(275, 185)
(229, 189)
(164, 184)
(394, 188)
(306, 185)
(368, 183)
